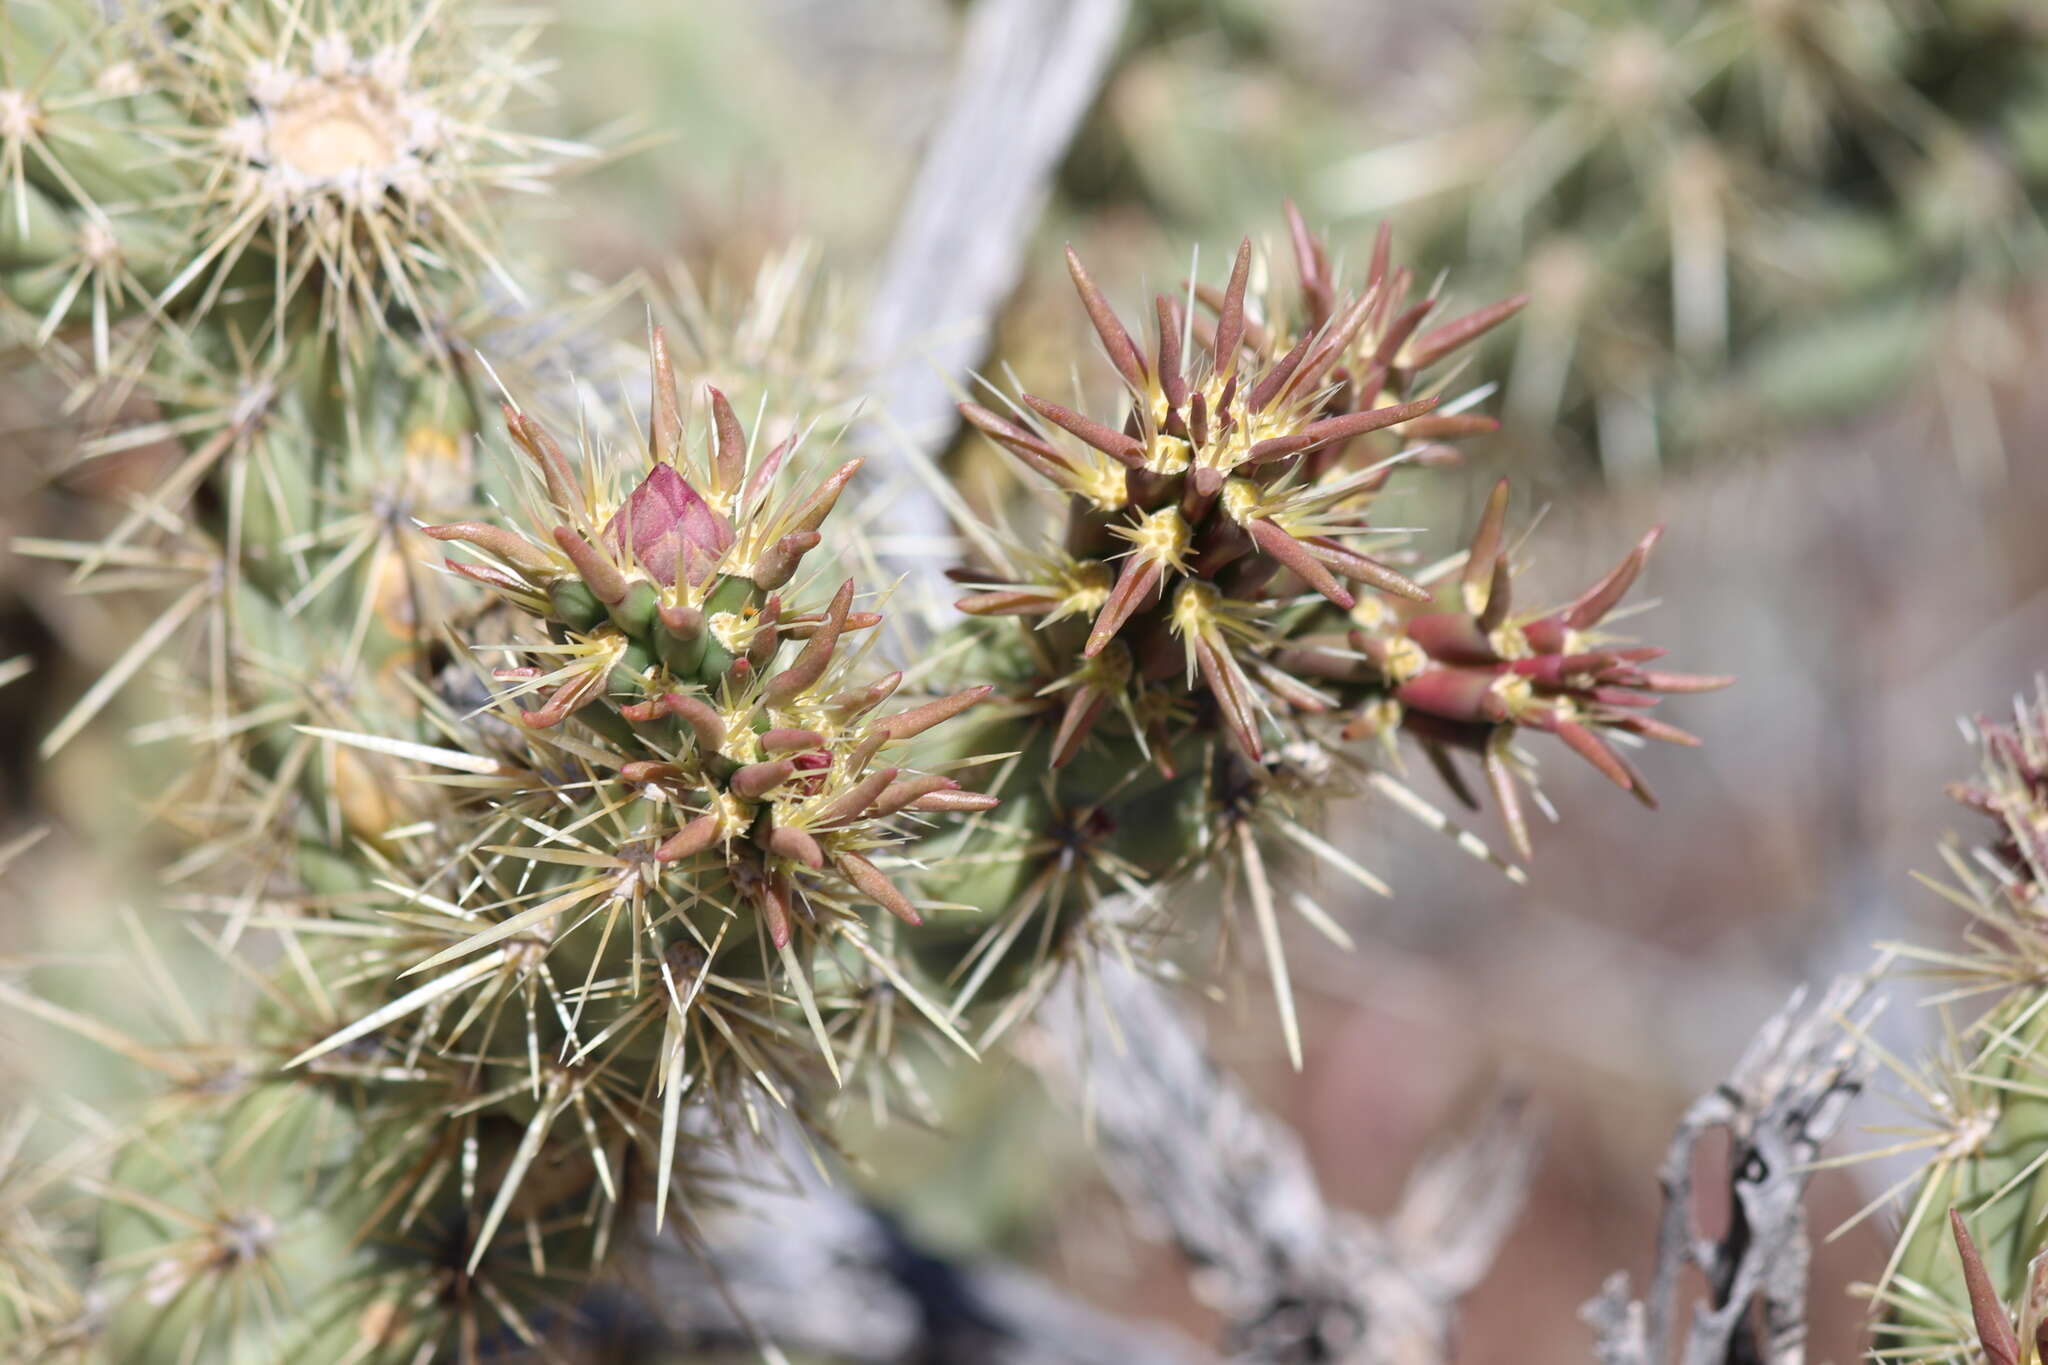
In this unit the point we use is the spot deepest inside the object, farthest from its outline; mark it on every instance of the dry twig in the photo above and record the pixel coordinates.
(1786, 1097)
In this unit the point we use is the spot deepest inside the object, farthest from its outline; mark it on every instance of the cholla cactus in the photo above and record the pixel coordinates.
(1213, 631)
(665, 610)
(1215, 493)
(336, 161)
(231, 203)
(346, 147)
(1971, 1241)
(647, 896)
(1228, 474)
(570, 861)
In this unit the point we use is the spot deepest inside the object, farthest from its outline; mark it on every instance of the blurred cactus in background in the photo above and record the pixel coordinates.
(1744, 215)
(1734, 218)
(532, 888)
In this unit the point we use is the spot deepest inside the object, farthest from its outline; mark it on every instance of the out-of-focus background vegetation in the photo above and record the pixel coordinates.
(1787, 266)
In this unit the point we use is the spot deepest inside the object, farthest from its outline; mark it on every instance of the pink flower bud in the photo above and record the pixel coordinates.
(667, 526)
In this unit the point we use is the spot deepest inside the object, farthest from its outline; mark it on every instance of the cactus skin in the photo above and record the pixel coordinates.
(1992, 1183)
(232, 1200)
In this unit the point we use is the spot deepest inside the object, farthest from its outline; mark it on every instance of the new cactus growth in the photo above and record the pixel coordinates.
(1218, 626)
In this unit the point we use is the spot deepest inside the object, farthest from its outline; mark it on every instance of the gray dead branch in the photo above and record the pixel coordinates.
(801, 1263)
(1029, 70)
(1786, 1097)
(1192, 1154)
